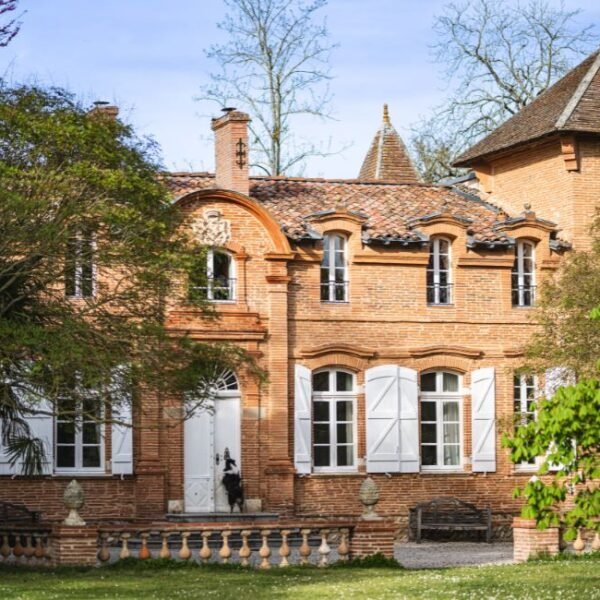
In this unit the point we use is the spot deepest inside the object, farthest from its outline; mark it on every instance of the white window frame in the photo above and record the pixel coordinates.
(231, 280)
(79, 468)
(329, 249)
(519, 270)
(434, 253)
(78, 269)
(332, 397)
(439, 398)
(523, 412)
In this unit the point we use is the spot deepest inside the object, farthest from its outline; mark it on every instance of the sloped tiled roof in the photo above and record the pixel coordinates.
(571, 104)
(392, 211)
(387, 158)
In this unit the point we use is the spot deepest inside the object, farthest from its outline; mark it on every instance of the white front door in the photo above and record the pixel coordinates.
(209, 436)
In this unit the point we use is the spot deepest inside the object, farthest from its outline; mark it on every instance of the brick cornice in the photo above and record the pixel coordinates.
(488, 262)
(447, 350)
(350, 349)
(396, 259)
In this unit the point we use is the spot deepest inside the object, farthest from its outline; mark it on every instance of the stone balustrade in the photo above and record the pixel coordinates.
(21, 545)
(262, 547)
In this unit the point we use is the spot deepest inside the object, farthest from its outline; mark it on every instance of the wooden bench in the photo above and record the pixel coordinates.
(17, 514)
(450, 514)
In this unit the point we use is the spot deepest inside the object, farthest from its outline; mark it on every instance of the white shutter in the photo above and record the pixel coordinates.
(5, 468)
(382, 403)
(483, 413)
(42, 427)
(122, 441)
(553, 379)
(409, 421)
(302, 419)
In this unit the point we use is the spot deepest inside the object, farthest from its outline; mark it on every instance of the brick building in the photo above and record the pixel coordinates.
(390, 315)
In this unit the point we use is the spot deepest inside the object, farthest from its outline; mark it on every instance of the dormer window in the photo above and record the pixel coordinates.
(334, 270)
(439, 273)
(523, 275)
(218, 284)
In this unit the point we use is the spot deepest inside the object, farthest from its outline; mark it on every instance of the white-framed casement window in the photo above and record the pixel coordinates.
(523, 274)
(218, 284)
(334, 269)
(334, 420)
(79, 267)
(524, 395)
(441, 421)
(79, 437)
(439, 272)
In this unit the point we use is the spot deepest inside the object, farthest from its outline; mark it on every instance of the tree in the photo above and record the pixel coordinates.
(275, 65)
(566, 432)
(497, 56)
(92, 250)
(9, 28)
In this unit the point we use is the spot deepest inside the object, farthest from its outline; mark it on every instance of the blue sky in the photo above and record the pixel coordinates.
(147, 57)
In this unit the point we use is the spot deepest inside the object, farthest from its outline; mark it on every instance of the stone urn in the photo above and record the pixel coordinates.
(369, 497)
(74, 499)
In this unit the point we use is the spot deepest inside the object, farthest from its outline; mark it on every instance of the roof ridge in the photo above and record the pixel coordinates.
(584, 84)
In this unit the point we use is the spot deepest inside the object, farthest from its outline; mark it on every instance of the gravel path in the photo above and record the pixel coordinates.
(427, 554)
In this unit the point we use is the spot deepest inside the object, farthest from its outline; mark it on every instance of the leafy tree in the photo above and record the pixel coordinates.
(497, 56)
(566, 432)
(92, 251)
(275, 65)
(8, 28)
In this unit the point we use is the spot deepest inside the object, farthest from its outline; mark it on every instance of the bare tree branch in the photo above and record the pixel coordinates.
(8, 28)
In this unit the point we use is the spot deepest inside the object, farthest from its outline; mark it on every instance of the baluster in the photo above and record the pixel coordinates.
(39, 548)
(29, 549)
(304, 547)
(324, 548)
(265, 551)
(344, 547)
(284, 550)
(165, 552)
(144, 553)
(205, 551)
(46, 546)
(245, 551)
(104, 552)
(125, 546)
(579, 544)
(18, 549)
(5, 548)
(225, 551)
(185, 552)
(596, 542)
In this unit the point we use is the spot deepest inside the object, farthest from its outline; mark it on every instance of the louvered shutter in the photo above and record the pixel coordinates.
(122, 440)
(409, 420)
(302, 419)
(483, 411)
(42, 427)
(382, 403)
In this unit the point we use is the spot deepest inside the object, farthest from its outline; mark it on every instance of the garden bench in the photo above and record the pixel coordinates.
(17, 514)
(450, 514)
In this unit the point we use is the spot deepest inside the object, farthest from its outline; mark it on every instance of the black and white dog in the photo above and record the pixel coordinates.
(232, 482)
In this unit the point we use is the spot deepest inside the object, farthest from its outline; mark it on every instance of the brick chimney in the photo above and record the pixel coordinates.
(105, 109)
(231, 151)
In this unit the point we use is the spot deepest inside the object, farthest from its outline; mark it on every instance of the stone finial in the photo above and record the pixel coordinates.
(369, 497)
(386, 115)
(74, 499)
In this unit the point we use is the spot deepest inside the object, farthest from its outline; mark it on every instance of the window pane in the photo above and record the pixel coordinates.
(338, 242)
(343, 381)
(345, 456)
(450, 382)
(450, 411)
(340, 293)
(321, 411)
(428, 382)
(321, 456)
(91, 433)
(451, 455)
(428, 411)
(428, 433)
(321, 381)
(451, 433)
(429, 455)
(344, 434)
(65, 456)
(339, 276)
(344, 411)
(339, 260)
(221, 262)
(321, 433)
(91, 408)
(91, 456)
(65, 433)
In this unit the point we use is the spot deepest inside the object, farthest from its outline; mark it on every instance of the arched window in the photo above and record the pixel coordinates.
(226, 381)
(439, 272)
(441, 420)
(523, 274)
(217, 283)
(334, 270)
(334, 427)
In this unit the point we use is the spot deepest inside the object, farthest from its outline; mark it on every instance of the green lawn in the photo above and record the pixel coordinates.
(575, 578)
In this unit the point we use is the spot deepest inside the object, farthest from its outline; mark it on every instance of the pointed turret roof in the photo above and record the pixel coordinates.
(572, 104)
(387, 158)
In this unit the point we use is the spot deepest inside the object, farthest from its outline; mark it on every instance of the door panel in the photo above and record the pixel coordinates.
(227, 439)
(198, 463)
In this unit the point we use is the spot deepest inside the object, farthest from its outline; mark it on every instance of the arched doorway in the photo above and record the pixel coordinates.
(209, 435)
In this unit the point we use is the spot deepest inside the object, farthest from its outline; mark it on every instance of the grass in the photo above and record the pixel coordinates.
(553, 579)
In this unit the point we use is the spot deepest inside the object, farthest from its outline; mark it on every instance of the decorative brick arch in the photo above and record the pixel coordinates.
(279, 240)
(349, 356)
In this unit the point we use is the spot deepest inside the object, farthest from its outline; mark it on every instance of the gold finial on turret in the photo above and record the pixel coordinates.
(386, 115)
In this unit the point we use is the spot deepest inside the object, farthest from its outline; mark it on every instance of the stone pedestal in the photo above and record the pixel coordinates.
(372, 537)
(530, 542)
(73, 546)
